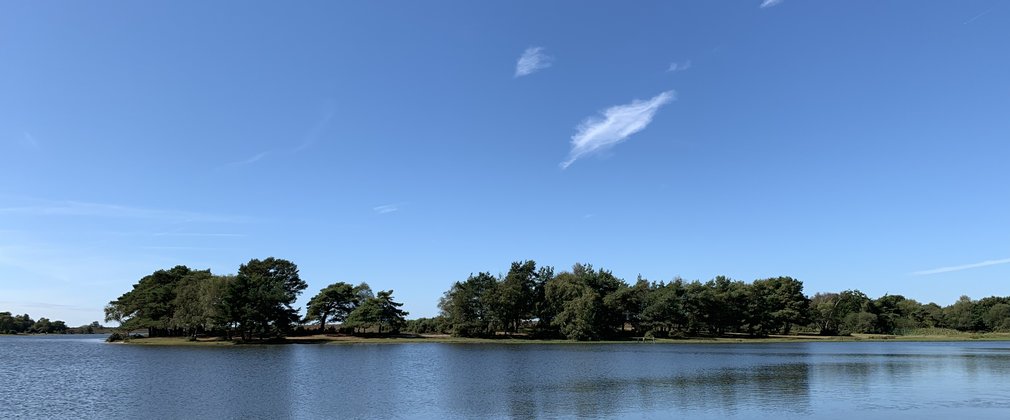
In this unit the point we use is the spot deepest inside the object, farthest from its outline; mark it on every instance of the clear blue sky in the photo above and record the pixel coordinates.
(855, 144)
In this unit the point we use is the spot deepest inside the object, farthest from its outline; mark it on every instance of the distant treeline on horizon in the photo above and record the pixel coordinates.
(24, 324)
(580, 304)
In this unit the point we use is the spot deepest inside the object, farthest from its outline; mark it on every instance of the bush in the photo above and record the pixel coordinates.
(114, 337)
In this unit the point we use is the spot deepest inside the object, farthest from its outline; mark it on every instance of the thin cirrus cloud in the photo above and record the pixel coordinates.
(770, 3)
(85, 209)
(678, 66)
(386, 208)
(617, 124)
(977, 16)
(961, 267)
(310, 138)
(533, 60)
(251, 160)
(45, 305)
(317, 130)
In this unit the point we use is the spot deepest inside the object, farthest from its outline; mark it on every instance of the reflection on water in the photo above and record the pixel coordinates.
(81, 377)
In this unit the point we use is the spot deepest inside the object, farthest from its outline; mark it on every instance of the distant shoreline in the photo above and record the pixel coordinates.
(445, 339)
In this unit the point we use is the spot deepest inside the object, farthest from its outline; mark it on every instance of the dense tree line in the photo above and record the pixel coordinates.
(582, 303)
(356, 308)
(24, 324)
(586, 304)
(257, 302)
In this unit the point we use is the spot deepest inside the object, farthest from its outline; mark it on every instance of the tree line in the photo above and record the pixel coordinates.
(582, 303)
(24, 324)
(587, 304)
(256, 302)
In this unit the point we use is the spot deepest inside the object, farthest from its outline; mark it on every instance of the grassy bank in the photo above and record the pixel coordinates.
(406, 339)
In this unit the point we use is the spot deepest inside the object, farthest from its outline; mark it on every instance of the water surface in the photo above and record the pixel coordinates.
(82, 377)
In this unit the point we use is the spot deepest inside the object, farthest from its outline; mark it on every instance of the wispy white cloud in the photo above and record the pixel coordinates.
(310, 138)
(386, 208)
(84, 209)
(679, 66)
(977, 16)
(314, 133)
(532, 60)
(255, 158)
(961, 267)
(770, 3)
(618, 123)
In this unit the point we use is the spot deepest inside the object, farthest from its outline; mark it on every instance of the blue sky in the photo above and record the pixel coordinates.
(856, 144)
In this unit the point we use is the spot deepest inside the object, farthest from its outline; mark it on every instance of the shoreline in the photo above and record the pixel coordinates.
(445, 339)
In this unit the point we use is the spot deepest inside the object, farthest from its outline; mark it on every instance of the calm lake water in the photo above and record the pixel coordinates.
(82, 377)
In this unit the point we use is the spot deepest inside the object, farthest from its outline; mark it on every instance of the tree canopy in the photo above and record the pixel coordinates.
(255, 302)
(24, 324)
(582, 303)
(380, 312)
(334, 303)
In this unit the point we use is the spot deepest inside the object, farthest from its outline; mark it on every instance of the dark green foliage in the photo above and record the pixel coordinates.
(831, 311)
(575, 307)
(151, 302)
(997, 318)
(960, 315)
(24, 324)
(986, 314)
(581, 304)
(334, 303)
(589, 304)
(380, 312)
(726, 304)
(628, 303)
(919, 315)
(776, 305)
(184, 301)
(45, 326)
(484, 304)
(15, 324)
(469, 306)
(889, 312)
(514, 296)
(436, 325)
(663, 310)
(259, 301)
(200, 303)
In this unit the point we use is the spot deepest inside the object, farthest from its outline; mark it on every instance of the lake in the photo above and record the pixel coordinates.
(83, 377)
